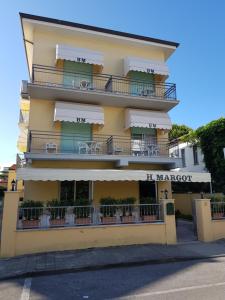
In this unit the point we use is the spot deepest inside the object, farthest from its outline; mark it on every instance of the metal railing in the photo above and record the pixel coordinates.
(44, 217)
(56, 77)
(56, 142)
(218, 210)
(24, 117)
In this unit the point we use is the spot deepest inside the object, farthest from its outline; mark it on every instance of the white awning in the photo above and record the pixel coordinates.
(145, 65)
(147, 119)
(82, 55)
(44, 174)
(78, 113)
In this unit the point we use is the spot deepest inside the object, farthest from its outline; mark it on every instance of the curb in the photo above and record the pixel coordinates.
(108, 266)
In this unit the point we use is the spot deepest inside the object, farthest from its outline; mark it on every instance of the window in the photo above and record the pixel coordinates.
(183, 158)
(195, 155)
(148, 135)
(72, 190)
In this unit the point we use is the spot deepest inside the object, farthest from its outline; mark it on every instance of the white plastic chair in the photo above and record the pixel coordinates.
(83, 148)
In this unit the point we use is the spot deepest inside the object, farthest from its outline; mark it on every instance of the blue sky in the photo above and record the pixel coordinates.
(197, 67)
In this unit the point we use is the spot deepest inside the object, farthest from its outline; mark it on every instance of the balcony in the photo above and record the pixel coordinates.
(23, 118)
(102, 89)
(119, 149)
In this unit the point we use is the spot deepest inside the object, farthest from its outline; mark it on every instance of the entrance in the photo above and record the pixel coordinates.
(147, 191)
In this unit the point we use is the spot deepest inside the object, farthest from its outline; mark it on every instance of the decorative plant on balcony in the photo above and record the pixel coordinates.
(82, 211)
(148, 212)
(128, 210)
(108, 210)
(30, 213)
(57, 211)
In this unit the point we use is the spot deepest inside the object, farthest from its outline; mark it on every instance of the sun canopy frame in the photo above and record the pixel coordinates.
(48, 174)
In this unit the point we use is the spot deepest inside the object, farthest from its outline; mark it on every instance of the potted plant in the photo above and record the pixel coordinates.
(108, 210)
(57, 212)
(128, 209)
(148, 212)
(82, 212)
(30, 213)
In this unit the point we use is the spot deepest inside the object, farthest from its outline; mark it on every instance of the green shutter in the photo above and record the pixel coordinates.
(145, 86)
(72, 133)
(140, 130)
(84, 72)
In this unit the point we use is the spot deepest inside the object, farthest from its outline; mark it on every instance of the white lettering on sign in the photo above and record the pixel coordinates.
(150, 71)
(169, 177)
(81, 120)
(152, 125)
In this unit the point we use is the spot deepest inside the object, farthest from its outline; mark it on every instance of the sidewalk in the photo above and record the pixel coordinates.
(99, 258)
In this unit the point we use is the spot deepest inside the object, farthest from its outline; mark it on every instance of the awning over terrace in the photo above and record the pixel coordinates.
(78, 113)
(45, 174)
(147, 119)
(145, 65)
(82, 55)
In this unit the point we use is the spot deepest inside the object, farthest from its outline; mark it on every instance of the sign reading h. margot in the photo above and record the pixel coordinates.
(170, 177)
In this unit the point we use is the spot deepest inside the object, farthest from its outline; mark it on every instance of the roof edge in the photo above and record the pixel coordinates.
(97, 29)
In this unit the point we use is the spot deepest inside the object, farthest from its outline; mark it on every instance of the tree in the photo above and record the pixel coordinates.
(212, 142)
(178, 131)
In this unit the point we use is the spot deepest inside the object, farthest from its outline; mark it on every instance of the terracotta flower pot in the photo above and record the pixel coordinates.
(218, 215)
(30, 223)
(57, 222)
(149, 218)
(108, 220)
(83, 221)
(127, 219)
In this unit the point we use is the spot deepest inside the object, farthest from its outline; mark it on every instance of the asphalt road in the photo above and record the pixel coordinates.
(197, 279)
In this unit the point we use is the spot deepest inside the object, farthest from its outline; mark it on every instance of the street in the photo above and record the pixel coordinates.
(179, 280)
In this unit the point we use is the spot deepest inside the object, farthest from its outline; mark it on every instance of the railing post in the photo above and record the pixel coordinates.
(204, 220)
(9, 223)
(169, 220)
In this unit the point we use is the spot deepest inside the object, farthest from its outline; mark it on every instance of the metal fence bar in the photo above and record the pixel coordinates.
(218, 210)
(61, 216)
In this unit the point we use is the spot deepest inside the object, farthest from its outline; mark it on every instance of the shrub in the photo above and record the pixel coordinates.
(147, 200)
(56, 209)
(82, 209)
(31, 209)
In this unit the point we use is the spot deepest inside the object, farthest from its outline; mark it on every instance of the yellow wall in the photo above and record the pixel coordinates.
(114, 53)
(115, 189)
(88, 237)
(41, 190)
(42, 115)
(11, 177)
(19, 242)
(183, 202)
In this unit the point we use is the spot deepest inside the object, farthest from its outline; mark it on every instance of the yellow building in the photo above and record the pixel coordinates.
(94, 122)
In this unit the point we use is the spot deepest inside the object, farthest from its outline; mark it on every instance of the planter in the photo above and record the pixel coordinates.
(108, 220)
(218, 215)
(149, 218)
(30, 223)
(83, 221)
(57, 222)
(128, 219)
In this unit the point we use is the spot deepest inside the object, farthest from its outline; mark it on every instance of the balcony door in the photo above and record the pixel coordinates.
(72, 134)
(142, 84)
(75, 73)
(147, 192)
(75, 190)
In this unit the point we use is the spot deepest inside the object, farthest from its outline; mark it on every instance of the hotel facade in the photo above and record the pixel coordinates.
(94, 127)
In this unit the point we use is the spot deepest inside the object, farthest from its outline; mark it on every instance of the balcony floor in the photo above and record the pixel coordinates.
(120, 160)
(41, 91)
